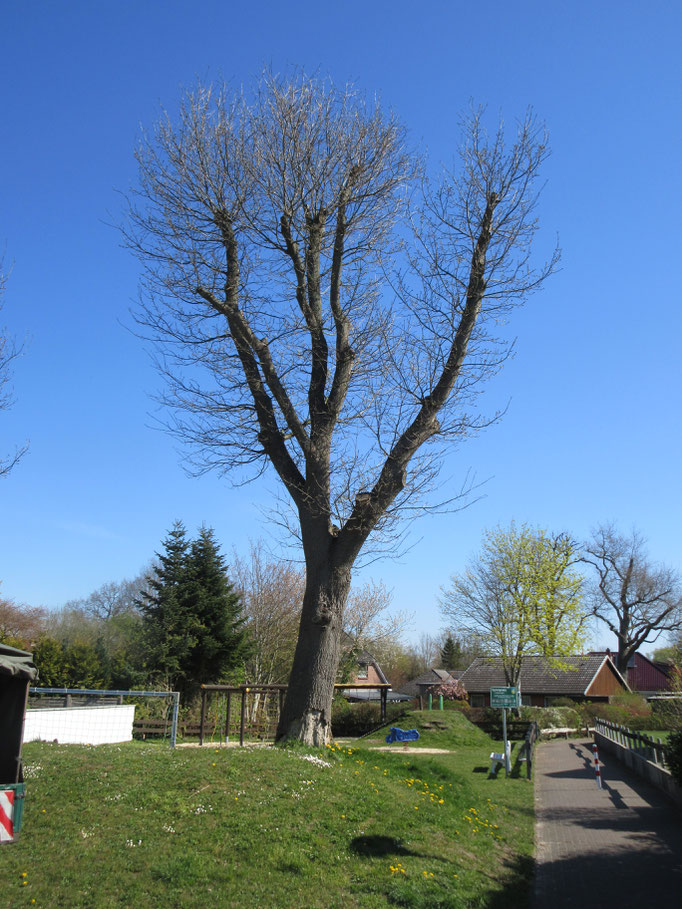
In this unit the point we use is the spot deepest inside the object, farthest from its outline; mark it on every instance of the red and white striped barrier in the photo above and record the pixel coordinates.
(6, 815)
(596, 765)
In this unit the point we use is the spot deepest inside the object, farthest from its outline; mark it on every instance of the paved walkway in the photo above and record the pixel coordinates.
(618, 846)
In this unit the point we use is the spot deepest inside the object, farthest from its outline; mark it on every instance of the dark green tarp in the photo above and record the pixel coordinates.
(17, 663)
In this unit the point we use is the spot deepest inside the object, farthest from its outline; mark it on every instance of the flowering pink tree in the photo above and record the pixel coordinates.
(451, 691)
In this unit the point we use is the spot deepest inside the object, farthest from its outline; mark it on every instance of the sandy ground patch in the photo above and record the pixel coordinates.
(403, 749)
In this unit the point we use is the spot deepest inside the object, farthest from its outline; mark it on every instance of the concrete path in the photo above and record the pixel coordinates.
(618, 846)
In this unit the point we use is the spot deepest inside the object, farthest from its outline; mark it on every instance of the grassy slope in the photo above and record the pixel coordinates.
(139, 825)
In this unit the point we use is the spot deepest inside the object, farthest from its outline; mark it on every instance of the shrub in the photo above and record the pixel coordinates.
(666, 713)
(552, 717)
(628, 709)
(673, 753)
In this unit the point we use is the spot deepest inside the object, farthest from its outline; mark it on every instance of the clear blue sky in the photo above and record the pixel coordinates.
(593, 429)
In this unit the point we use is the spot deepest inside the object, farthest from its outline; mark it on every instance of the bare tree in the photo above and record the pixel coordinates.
(637, 599)
(114, 598)
(325, 309)
(9, 351)
(20, 625)
(367, 619)
(272, 594)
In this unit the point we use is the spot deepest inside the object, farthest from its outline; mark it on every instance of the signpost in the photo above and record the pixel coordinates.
(504, 698)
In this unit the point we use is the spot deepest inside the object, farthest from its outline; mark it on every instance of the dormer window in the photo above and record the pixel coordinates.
(363, 671)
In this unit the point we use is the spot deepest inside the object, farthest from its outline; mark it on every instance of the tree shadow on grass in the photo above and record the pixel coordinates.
(374, 846)
(517, 889)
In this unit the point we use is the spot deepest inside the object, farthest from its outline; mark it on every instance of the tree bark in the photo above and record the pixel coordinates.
(307, 712)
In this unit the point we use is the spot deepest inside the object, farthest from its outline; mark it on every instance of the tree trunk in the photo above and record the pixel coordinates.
(306, 715)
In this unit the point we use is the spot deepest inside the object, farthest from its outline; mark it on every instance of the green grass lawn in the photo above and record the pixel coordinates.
(657, 734)
(140, 826)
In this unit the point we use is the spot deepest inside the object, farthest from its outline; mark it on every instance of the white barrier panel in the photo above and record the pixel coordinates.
(80, 725)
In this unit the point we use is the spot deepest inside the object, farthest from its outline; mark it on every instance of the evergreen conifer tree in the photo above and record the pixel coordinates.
(170, 627)
(221, 637)
(192, 619)
(450, 654)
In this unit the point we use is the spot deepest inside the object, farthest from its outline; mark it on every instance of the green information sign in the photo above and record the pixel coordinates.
(504, 697)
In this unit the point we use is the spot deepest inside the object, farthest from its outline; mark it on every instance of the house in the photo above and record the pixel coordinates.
(368, 672)
(419, 687)
(643, 675)
(592, 677)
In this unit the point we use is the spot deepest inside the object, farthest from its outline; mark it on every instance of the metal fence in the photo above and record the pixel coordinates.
(646, 747)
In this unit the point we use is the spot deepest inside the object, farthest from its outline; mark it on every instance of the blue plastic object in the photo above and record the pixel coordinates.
(401, 735)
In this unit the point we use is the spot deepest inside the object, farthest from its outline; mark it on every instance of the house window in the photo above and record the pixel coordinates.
(526, 700)
(363, 671)
(477, 700)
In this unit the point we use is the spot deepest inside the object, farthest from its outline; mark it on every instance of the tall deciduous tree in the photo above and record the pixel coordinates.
(326, 309)
(522, 595)
(637, 599)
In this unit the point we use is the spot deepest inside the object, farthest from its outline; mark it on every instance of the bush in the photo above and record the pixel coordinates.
(673, 754)
(629, 710)
(666, 713)
(553, 717)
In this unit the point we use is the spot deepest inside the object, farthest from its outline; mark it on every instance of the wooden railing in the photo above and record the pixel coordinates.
(647, 747)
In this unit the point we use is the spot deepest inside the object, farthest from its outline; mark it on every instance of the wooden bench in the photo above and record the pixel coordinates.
(151, 727)
(560, 730)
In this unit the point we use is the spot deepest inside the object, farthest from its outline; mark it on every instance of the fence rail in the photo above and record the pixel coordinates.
(651, 749)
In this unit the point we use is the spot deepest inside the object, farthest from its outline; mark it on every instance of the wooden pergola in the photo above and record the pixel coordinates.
(243, 690)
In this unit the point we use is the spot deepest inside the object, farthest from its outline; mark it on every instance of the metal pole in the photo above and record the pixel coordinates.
(203, 717)
(174, 726)
(227, 716)
(507, 767)
(384, 695)
(243, 717)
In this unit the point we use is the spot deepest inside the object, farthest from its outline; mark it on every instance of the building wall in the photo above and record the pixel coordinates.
(604, 685)
(644, 676)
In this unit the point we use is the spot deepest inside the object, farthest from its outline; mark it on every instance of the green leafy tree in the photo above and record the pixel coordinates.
(522, 596)
(77, 664)
(83, 666)
(48, 656)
